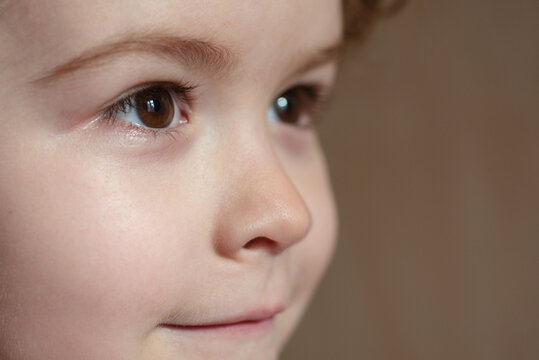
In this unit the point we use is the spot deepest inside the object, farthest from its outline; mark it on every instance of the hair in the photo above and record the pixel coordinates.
(360, 15)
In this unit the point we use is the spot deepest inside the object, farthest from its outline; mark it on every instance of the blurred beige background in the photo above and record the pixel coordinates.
(432, 140)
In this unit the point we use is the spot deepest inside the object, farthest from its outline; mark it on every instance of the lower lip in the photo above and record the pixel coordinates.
(233, 329)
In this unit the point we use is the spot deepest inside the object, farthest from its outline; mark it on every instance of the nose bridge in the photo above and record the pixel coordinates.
(260, 207)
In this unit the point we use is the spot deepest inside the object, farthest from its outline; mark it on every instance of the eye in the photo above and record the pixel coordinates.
(296, 106)
(157, 106)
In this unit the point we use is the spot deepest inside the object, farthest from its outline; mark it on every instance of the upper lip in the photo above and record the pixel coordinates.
(256, 315)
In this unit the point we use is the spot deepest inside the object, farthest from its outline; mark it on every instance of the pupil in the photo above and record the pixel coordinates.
(155, 108)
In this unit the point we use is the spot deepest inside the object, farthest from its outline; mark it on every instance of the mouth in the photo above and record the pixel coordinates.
(258, 321)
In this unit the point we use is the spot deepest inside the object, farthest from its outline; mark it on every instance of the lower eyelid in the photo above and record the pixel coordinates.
(111, 132)
(118, 137)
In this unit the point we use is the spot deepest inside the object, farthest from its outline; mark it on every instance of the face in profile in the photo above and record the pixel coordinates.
(163, 194)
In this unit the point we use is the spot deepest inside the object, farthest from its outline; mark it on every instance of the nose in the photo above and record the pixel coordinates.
(260, 209)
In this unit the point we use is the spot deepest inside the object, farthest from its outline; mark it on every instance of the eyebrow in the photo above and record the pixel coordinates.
(189, 52)
(322, 57)
(192, 53)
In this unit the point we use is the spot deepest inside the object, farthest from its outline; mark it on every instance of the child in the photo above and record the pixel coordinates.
(163, 194)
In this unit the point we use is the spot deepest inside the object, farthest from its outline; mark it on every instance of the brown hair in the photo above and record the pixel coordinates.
(359, 15)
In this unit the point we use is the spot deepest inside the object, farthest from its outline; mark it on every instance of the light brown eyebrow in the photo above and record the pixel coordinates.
(189, 52)
(321, 57)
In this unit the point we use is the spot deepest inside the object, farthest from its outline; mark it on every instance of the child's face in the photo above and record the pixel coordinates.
(185, 223)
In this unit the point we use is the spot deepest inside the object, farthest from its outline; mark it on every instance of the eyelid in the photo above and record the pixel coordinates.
(182, 92)
(109, 118)
(316, 93)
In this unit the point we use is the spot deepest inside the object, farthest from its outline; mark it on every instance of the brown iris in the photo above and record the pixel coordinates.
(155, 107)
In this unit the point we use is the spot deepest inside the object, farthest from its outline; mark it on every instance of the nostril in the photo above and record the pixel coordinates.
(262, 242)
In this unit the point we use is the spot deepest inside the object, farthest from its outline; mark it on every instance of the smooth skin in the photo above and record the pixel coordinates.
(111, 232)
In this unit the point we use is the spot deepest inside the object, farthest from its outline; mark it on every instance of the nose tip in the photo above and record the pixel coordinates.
(263, 211)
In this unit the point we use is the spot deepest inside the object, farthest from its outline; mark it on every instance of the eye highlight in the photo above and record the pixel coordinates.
(297, 106)
(154, 107)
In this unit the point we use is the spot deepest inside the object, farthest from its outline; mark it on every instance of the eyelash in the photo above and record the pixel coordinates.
(309, 98)
(182, 94)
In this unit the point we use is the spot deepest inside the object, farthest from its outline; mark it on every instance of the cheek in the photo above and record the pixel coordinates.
(86, 250)
(312, 256)
(315, 252)
(310, 176)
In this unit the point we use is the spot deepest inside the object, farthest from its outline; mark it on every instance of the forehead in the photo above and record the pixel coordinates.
(52, 28)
